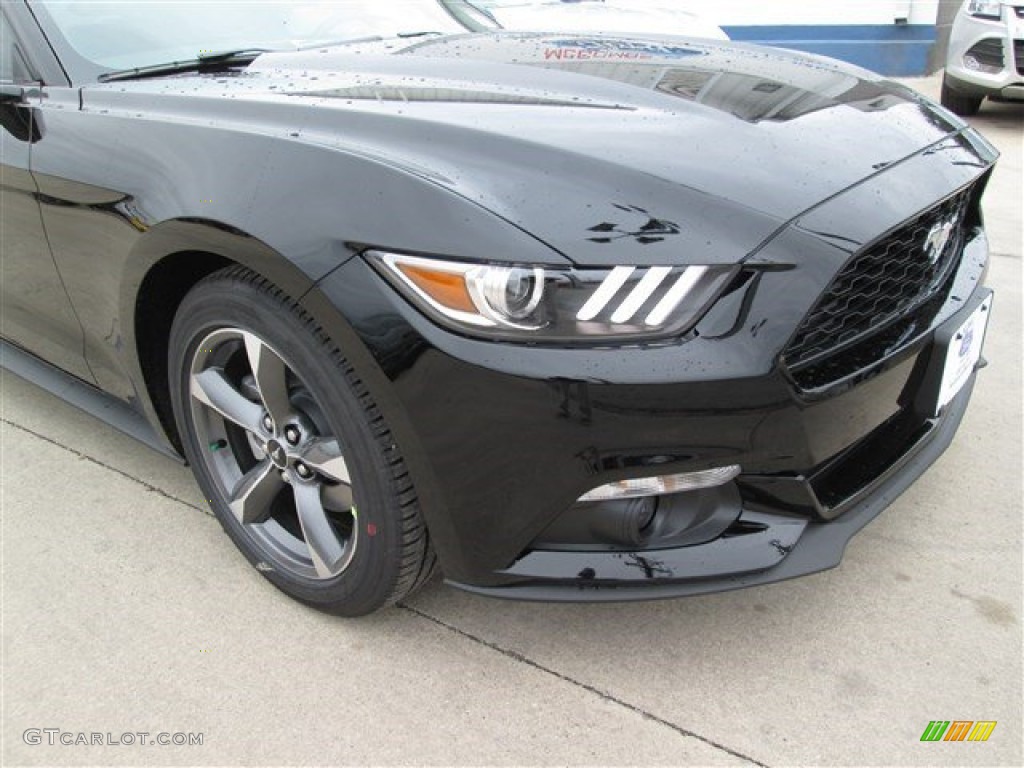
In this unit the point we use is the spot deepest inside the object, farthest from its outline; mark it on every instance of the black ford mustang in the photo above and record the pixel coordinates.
(588, 318)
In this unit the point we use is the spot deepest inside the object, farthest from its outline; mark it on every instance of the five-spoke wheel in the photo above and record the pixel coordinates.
(294, 456)
(272, 454)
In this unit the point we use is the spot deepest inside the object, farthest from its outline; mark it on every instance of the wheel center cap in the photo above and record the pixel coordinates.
(277, 454)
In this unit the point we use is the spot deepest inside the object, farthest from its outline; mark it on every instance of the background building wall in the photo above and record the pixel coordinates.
(894, 37)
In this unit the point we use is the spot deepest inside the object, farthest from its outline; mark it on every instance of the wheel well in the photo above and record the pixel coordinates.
(160, 294)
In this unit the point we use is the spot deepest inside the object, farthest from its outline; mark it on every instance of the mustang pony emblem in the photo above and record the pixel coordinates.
(937, 240)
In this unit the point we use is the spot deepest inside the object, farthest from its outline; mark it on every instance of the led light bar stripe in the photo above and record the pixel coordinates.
(639, 296)
(676, 295)
(605, 293)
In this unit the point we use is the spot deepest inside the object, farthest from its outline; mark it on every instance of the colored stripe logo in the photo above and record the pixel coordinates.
(958, 730)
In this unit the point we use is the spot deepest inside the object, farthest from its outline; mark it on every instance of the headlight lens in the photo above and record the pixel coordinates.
(987, 9)
(541, 304)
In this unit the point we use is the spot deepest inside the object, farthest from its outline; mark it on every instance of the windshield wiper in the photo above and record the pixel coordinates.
(210, 62)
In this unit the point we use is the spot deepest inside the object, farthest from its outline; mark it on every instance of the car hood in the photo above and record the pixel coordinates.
(610, 150)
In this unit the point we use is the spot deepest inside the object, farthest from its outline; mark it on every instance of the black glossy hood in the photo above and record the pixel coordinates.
(609, 150)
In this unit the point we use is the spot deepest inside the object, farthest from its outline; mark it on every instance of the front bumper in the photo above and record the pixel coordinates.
(998, 45)
(787, 548)
(502, 439)
(763, 547)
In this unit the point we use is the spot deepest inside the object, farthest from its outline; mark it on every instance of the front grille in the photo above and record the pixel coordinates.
(1018, 55)
(988, 52)
(879, 295)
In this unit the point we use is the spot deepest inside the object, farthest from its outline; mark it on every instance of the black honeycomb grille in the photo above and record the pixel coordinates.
(883, 283)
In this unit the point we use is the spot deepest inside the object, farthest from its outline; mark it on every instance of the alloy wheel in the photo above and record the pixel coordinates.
(272, 455)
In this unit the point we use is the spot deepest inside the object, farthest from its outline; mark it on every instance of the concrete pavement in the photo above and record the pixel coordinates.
(125, 610)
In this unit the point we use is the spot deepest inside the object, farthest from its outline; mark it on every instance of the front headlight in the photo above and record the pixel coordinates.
(543, 304)
(985, 9)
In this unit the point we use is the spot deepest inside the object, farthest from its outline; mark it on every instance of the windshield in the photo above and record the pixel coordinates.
(496, 4)
(114, 34)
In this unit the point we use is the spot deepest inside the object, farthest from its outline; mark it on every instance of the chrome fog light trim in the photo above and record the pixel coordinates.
(664, 484)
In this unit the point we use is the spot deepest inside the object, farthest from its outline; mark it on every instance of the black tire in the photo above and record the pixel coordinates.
(317, 497)
(959, 103)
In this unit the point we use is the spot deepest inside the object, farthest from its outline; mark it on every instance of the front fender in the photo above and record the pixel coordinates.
(183, 175)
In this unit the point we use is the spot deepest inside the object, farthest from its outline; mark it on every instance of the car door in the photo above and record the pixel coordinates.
(35, 313)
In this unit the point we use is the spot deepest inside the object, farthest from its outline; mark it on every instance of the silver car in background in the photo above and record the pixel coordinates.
(986, 55)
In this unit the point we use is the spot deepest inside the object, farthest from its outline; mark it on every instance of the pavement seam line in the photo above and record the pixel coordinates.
(149, 487)
(516, 656)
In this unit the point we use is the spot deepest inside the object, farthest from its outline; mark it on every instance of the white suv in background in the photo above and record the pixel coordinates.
(986, 55)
